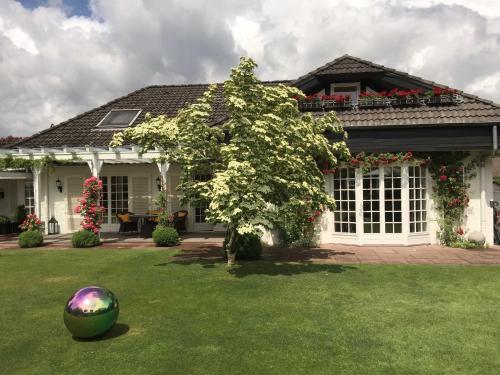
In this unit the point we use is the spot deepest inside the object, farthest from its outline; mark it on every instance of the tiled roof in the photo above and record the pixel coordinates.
(169, 99)
(344, 65)
(471, 111)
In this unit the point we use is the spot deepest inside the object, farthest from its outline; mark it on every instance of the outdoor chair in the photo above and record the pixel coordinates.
(180, 219)
(127, 224)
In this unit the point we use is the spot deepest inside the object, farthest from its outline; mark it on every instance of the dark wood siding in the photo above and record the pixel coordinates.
(458, 138)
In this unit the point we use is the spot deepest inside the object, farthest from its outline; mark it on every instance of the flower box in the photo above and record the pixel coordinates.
(315, 105)
(444, 99)
(372, 101)
(345, 103)
(405, 101)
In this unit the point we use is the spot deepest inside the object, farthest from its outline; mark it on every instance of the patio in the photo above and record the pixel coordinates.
(123, 241)
(206, 247)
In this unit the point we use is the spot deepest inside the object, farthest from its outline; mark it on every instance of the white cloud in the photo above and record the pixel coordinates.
(53, 66)
(21, 39)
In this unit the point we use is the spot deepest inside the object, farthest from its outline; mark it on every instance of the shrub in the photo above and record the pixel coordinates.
(85, 238)
(30, 238)
(467, 244)
(4, 219)
(32, 222)
(165, 236)
(248, 247)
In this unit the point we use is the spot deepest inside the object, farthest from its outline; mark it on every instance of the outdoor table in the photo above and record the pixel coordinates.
(141, 219)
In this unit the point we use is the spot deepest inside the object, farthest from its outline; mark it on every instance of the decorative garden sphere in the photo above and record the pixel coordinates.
(91, 311)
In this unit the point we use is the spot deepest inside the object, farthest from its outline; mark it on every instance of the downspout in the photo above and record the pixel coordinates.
(47, 195)
(483, 196)
(495, 139)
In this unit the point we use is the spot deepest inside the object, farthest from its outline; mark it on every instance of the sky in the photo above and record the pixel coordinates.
(59, 58)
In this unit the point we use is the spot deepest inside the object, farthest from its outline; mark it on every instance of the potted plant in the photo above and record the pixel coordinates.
(311, 102)
(399, 97)
(5, 226)
(20, 216)
(439, 95)
(373, 99)
(336, 101)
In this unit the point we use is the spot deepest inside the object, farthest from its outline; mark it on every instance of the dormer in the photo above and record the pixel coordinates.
(352, 83)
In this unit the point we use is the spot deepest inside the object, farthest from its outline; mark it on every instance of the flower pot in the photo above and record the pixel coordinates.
(5, 228)
(372, 102)
(311, 106)
(444, 99)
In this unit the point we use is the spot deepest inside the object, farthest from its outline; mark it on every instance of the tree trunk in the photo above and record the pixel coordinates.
(231, 248)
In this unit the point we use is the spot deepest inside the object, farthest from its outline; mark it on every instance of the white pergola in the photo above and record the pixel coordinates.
(95, 157)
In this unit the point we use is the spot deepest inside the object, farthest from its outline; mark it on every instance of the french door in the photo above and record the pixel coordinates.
(382, 205)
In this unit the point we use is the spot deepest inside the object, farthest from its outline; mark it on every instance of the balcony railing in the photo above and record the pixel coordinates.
(415, 100)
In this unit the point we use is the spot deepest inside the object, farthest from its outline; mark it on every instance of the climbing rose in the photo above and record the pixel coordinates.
(443, 177)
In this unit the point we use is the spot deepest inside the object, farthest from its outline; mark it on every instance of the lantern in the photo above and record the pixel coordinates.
(53, 226)
(158, 183)
(59, 185)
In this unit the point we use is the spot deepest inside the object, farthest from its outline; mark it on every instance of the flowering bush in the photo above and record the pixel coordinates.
(436, 91)
(89, 205)
(366, 162)
(32, 222)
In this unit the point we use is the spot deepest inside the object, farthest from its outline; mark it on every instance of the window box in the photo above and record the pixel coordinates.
(337, 104)
(315, 105)
(444, 99)
(405, 101)
(373, 102)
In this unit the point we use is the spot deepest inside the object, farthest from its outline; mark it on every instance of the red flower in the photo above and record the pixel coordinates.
(443, 177)
(460, 231)
(310, 219)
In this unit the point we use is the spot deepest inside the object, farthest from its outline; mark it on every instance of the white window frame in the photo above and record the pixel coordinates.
(338, 85)
(362, 238)
(139, 111)
(29, 200)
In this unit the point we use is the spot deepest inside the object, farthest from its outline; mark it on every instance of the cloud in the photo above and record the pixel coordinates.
(54, 65)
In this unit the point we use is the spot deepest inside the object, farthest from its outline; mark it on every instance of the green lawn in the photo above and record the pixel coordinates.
(261, 318)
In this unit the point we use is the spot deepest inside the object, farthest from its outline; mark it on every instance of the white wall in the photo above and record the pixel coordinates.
(479, 216)
(13, 196)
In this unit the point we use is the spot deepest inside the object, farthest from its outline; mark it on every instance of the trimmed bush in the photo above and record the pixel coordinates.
(249, 247)
(165, 236)
(30, 238)
(85, 238)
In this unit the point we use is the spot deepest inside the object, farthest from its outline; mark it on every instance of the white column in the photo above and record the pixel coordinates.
(37, 189)
(95, 165)
(483, 204)
(405, 203)
(359, 205)
(46, 198)
(163, 168)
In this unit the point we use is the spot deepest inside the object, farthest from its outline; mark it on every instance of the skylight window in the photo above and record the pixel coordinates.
(119, 118)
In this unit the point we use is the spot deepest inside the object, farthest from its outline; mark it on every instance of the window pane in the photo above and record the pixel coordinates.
(418, 204)
(345, 196)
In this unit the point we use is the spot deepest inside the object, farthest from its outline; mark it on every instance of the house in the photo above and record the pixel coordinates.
(389, 205)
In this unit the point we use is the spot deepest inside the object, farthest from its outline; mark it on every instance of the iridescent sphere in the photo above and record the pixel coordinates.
(91, 311)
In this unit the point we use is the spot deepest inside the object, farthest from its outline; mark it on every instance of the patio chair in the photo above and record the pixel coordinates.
(180, 218)
(127, 225)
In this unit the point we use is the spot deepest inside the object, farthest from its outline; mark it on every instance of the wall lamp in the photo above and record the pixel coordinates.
(59, 185)
(158, 183)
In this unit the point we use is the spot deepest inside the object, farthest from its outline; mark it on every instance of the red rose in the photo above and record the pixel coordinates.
(443, 177)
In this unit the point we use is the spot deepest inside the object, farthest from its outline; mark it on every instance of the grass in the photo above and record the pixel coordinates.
(260, 318)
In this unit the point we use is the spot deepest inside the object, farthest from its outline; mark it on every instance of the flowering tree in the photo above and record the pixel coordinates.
(263, 158)
(89, 205)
